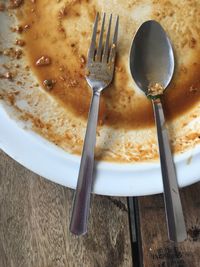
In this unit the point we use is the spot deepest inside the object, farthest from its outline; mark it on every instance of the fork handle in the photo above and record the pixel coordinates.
(173, 207)
(81, 205)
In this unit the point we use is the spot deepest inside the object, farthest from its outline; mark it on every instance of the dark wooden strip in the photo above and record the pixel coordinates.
(34, 225)
(157, 250)
(134, 222)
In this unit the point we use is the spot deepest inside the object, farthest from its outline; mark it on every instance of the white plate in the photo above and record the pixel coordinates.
(51, 162)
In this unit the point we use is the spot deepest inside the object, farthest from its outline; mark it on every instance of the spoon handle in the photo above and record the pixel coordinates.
(175, 219)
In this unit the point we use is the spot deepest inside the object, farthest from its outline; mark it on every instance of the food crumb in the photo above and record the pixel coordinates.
(15, 3)
(62, 78)
(17, 28)
(27, 26)
(155, 89)
(82, 58)
(49, 84)
(73, 83)
(8, 75)
(62, 12)
(192, 42)
(18, 53)
(20, 42)
(193, 89)
(13, 53)
(61, 68)
(11, 98)
(43, 61)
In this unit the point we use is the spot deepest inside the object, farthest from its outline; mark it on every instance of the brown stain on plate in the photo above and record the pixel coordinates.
(62, 33)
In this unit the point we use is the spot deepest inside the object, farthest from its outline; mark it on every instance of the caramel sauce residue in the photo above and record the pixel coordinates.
(59, 36)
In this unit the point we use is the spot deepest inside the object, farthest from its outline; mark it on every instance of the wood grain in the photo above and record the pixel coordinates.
(157, 250)
(34, 224)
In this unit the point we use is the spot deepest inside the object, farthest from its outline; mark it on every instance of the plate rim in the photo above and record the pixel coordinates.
(108, 179)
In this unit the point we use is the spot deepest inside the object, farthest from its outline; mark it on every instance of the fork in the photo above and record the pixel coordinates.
(99, 74)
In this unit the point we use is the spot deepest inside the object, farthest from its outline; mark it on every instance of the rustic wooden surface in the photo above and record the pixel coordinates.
(157, 250)
(34, 223)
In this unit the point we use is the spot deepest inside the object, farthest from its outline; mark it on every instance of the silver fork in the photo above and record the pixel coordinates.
(100, 72)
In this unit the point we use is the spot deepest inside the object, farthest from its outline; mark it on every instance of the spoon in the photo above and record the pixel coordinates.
(152, 68)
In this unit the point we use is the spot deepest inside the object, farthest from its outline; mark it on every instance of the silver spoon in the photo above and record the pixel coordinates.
(152, 68)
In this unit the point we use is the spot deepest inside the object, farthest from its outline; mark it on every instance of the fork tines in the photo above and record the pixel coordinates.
(107, 52)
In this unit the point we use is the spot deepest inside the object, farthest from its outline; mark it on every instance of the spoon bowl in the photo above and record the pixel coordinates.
(151, 56)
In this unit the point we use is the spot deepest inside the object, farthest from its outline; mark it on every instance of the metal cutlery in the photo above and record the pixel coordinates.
(99, 74)
(152, 68)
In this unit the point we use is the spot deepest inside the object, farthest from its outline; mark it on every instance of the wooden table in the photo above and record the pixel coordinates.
(34, 227)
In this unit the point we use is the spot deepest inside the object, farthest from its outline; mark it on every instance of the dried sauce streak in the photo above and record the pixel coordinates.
(2, 6)
(59, 30)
